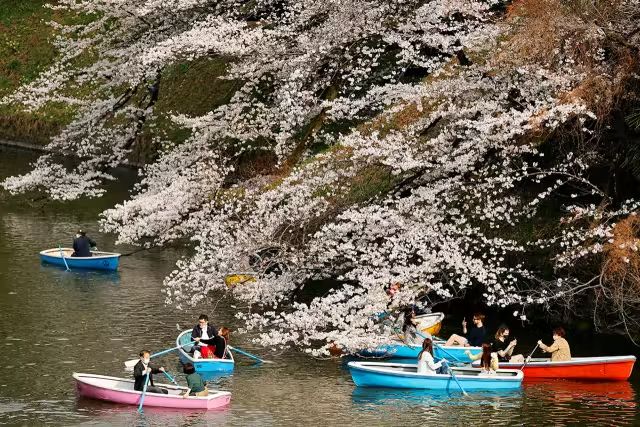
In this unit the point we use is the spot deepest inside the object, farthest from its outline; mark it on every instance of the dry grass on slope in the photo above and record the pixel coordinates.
(621, 264)
(584, 35)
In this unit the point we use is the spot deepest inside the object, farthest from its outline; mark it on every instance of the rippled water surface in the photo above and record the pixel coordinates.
(54, 323)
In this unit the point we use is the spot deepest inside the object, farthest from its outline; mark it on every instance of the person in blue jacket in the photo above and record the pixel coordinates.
(82, 245)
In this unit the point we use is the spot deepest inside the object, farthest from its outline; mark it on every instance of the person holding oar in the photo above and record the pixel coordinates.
(426, 363)
(559, 350)
(428, 366)
(82, 245)
(203, 334)
(142, 369)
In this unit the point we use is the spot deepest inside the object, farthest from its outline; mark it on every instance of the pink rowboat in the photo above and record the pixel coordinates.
(607, 368)
(120, 390)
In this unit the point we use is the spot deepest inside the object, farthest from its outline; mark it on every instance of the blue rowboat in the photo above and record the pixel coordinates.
(203, 365)
(401, 375)
(398, 349)
(99, 260)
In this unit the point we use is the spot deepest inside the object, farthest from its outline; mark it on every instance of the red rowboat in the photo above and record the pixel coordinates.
(608, 368)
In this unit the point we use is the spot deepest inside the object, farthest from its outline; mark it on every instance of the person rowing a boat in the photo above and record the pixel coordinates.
(82, 245)
(426, 363)
(559, 350)
(204, 335)
(142, 369)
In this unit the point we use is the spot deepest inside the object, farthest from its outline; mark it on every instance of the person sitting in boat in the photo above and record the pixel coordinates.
(140, 371)
(220, 341)
(559, 350)
(488, 359)
(426, 363)
(197, 386)
(392, 289)
(410, 329)
(505, 349)
(204, 335)
(82, 245)
(474, 336)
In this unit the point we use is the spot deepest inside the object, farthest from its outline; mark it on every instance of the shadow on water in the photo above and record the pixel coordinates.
(78, 276)
(105, 413)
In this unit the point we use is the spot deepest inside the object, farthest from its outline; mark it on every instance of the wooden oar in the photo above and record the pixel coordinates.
(455, 379)
(529, 358)
(253, 356)
(131, 363)
(63, 258)
(144, 391)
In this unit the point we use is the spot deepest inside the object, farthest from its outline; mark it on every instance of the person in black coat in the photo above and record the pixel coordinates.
(82, 245)
(140, 371)
(203, 331)
(220, 342)
(203, 334)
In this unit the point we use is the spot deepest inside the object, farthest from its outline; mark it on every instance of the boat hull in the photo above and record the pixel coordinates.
(404, 351)
(100, 261)
(430, 323)
(119, 390)
(203, 365)
(397, 375)
(615, 368)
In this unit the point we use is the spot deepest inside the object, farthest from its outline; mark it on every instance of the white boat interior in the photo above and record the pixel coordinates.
(69, 251)
(413, 369)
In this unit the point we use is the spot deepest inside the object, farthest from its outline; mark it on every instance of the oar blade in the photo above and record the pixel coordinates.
(246, 353)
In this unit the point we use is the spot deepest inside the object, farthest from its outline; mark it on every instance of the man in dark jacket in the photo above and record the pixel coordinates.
(203, 334)
(140, 372)
(82, 245)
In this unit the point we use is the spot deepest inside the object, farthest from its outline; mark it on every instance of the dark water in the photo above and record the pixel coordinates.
(54, 323)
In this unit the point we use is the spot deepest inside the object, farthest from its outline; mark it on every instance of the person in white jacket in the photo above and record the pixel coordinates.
(426, 364)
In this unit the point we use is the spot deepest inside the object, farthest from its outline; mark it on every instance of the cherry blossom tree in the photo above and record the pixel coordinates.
(408, 138)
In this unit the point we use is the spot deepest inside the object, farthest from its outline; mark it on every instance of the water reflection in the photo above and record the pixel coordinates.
(109, 413)
(54, 322)
(387, 396)
(219, 379)
(79, 276)
(609, 398)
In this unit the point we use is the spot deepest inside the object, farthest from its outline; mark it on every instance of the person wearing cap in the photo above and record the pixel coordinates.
(82, 244)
